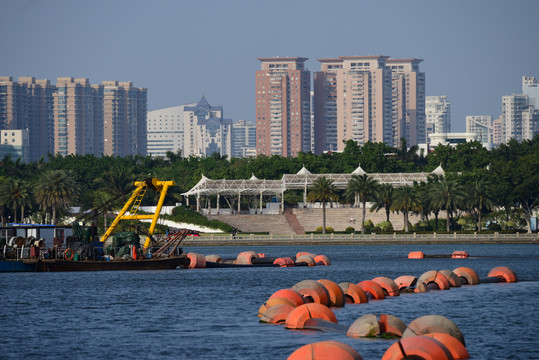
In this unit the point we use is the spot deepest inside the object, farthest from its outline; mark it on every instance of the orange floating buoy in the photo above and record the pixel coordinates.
(353, 294)
(299, 316)
(306, 259)
(246, 257)
(459, 255)
(405, 281)
(276, 314)
(421, 288)
(325, 350)
(454, 280)
(388, 285)
(435, 277)
(455, 347)
(290, 294)
(416, 255)
(322, 259)
(370, 326)
(261, 255)
(467, 275)
(433, 324)
(502, 271)
(312, 291)
(417, 347)
(372, 288)
(214, 258)
(301, 253)
(196, 261)
(284, 262)
(336, 295)
(273, 302)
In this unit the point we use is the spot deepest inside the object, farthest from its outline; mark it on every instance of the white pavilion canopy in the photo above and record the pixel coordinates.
(303, 179)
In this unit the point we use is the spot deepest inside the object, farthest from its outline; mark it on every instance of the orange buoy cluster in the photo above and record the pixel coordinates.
(307, 306)
(252, 258)
(421, 255)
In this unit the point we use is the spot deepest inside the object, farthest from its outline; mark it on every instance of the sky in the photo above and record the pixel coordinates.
(473, 51)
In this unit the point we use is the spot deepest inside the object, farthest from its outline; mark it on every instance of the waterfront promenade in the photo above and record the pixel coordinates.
(358, 239)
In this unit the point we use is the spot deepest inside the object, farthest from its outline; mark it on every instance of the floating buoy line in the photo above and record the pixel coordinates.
(307, 306)
(254, 259)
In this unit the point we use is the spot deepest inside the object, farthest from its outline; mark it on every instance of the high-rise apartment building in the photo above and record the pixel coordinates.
(498, 131)
(28, 104)
(438, 114)
(283, 125)
(243, 139)
(40, 116)
(165, 131)
(124, 118)
(408, 101)
(512, 108)
(353, 101)
(530, 88)
(205, 130)
(481, 125)
(78, 117)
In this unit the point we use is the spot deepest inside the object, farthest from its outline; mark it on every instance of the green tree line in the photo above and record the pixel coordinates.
(501, 184)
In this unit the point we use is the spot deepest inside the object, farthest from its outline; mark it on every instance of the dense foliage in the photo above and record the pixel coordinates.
(488, 186)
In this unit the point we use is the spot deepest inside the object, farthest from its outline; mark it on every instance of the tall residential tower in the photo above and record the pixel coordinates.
(283, 125)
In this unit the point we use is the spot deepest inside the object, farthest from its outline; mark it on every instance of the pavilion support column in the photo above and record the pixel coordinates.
(261, 202)
(256, 205)
(282, 202)
(187, 200)
(218, 197)
(305, 195)
(239, 202)
(198, 203)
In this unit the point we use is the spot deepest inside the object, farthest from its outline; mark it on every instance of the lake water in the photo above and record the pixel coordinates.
(211, 313)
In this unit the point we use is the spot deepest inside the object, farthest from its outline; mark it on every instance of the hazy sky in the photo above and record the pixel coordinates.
(474, 51)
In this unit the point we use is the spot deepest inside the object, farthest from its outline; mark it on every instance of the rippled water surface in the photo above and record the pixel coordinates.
(211, 313)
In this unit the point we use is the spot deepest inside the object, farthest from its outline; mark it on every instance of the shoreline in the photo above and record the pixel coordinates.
(355, 239)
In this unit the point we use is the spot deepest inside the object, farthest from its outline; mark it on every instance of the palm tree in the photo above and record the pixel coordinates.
(362, 188)
(118, 183)
(405, 201)
(56, 190)
(323, 190)
(449, 195)
(479, 198)
(15, 195)
(384, 198)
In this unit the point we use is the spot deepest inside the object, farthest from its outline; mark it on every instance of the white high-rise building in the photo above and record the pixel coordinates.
(438, 114)
(165, 130)
(205, 130)
(530, 87)
(481, 125)
(512, 108)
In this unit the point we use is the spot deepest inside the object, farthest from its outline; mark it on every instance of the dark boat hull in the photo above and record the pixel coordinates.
(18, 266)
(144, 264)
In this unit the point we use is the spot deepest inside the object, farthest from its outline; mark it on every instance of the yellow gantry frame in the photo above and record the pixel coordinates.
(159, 186)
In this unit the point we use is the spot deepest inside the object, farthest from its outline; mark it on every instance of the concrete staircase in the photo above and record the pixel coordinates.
(293, 221)
(299, 221)
(341, 218)
(274, 224)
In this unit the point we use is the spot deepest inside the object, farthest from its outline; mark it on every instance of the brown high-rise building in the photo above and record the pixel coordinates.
(283, 124)
(13, 106)
(124, 111)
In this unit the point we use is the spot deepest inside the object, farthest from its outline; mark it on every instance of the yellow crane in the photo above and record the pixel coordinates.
(134, 202)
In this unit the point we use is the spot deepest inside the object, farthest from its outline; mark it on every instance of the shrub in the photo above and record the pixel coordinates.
(349, 230)
(368, 225)
(183, 214)
(329, 229)
(494, 227)
(386, 226)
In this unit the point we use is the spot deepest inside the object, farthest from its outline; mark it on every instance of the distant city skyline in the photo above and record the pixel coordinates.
(473, 52)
